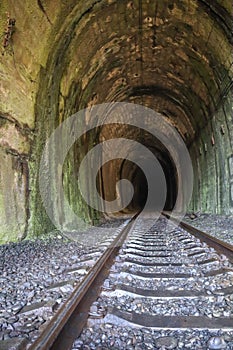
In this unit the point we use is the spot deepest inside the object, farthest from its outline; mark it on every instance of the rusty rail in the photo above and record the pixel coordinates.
(68, 322)
(219, 245)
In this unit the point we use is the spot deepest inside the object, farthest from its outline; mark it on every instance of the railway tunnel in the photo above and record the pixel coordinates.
(173, 57)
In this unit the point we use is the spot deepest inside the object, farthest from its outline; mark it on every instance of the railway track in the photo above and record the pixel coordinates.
(156, 288)
(31, 294)
(69, 320)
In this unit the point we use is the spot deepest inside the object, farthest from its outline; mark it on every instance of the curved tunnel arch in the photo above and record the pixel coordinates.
(172, 59)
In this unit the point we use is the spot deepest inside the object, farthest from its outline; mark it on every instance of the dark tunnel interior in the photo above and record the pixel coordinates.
(117, 169)
(140, 184)
(136, 172)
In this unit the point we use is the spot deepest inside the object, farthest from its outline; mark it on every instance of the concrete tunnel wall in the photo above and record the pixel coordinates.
(172, 56)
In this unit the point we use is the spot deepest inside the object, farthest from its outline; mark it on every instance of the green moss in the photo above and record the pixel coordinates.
(7, 233)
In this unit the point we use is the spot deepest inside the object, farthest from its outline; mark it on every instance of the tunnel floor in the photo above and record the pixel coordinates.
(41, 273)
(220, 226)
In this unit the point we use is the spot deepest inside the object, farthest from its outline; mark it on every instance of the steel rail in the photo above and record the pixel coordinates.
(68, 322)
(219, 245)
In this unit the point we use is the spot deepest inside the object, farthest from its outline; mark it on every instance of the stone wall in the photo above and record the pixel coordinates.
(212, 157)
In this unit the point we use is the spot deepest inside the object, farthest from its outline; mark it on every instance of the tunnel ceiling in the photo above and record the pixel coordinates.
(174, 57)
